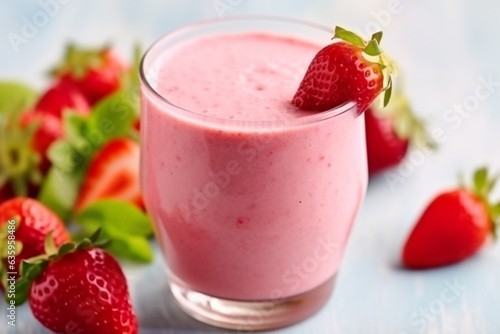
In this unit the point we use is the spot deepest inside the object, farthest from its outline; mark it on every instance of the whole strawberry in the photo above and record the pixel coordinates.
(390, 131)
(79, 289)
(454, 226)
(96, 72)
(62, 96)
(350, 69)
(34, 222)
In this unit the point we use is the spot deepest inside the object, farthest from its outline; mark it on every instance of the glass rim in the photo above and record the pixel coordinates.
(191, 114)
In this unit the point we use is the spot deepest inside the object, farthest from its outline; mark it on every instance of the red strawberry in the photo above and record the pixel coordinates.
(98, 73)
(384, 147)
(454, 226)
(79, 289)
(63, 95)
(34, 221)
(389, 131)
(348, 70)
(112, 173)
(49, 129)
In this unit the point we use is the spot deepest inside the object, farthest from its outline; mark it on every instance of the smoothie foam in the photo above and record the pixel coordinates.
(247, 211)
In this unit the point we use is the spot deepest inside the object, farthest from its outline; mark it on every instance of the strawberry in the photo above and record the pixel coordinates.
(78, 288)
(384, 147)
(350, 69)
(49, 129)
(390, 130)
(98, 73)
(454, 226)
(113, 173)
(34, 221)
(61, 96)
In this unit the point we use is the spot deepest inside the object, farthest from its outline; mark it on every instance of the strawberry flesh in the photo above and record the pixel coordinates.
(112, 174)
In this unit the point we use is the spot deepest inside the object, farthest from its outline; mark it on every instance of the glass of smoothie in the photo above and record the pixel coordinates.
(252, 199)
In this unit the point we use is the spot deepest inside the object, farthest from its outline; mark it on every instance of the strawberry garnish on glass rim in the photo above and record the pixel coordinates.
(350, 69)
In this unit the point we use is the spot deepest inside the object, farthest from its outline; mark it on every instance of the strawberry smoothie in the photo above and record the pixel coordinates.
(252, 199)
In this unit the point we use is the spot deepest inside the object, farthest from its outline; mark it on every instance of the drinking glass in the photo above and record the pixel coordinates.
(252, 216)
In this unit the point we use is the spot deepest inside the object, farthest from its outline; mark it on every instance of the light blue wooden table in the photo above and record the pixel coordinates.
(447, 49)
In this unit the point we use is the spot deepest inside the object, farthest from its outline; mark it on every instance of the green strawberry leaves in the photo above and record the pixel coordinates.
(373, 48)
(348, 36)
(127, 226)
(112, 118)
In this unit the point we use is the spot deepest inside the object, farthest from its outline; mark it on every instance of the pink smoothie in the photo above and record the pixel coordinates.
(245, 208)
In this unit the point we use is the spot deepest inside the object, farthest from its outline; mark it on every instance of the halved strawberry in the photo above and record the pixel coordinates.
(96, 72)
(348, 70)
(112, 173)
(61, 96)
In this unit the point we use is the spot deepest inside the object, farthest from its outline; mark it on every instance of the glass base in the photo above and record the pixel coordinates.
(249, 316)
